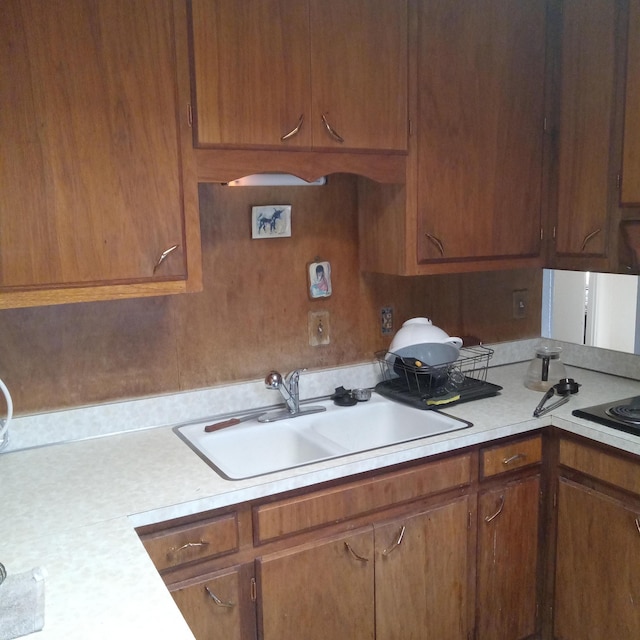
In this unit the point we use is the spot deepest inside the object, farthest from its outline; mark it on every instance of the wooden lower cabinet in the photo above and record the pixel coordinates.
(433, 551)
(218, 606)
(403, 579)
(507, 575)
(321, 590)
(421, 575)
(597, 586)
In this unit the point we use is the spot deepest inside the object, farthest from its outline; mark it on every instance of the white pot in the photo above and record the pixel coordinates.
(419, 338)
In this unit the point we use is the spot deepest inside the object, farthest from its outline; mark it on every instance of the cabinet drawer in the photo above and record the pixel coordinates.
(510, 456)
(195, 541)
(351, 500)
(615, 470)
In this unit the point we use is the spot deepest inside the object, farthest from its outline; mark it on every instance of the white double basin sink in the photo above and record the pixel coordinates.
(255, 448)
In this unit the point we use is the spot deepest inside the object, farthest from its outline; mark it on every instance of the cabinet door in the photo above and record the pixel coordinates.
(480, 92)
(219, 606)
(318, 591)
(597, 588)
(631, 144)
(587, 90)
(507, 560)
(359, 73)
(422, 569)
(251, 67)
(92, 189)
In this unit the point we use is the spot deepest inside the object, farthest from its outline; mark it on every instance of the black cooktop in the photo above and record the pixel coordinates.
(623, 415)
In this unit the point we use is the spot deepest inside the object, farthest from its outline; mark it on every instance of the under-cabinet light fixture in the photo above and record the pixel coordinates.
(275, 180)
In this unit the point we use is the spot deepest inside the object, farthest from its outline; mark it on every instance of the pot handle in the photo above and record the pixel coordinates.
(455, 341)
(4, 424)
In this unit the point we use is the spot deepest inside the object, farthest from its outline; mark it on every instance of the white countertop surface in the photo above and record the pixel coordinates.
(72, 508)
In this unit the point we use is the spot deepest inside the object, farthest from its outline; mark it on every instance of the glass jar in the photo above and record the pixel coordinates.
(545, 370)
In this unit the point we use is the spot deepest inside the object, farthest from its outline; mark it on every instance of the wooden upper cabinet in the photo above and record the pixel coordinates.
(587, 93)
(287, 73)
(251, 72)
(359, 73)
(472, 199)
(96, 180)
(481, 100)
(630, 193)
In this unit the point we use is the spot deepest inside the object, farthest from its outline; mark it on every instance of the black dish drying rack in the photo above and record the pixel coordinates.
(410, 381)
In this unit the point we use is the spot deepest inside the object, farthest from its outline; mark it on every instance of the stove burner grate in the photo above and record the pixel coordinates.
(629, 413)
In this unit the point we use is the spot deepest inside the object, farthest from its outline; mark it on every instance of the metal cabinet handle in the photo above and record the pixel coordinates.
(588, 237)
(163, 256)
(517, 456)
(295, 129)
(217, 601)
(488, 519)
(354, 554)
(396, 544)
(332, 132)
(437, 242)
(188, 545)
(637, 521)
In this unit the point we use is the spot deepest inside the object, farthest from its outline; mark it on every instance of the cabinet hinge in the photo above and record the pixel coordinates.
(253, 590)
(541, 233)
(618, 181)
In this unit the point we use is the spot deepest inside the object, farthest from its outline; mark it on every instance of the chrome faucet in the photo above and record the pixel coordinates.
(288, 387)
(290, 391)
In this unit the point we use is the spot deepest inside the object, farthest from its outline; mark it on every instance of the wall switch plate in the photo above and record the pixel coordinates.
(520, 303)
(386, 320)
(319, 328)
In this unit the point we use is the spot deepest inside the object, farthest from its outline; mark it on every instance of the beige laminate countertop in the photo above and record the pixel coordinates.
(72, 508)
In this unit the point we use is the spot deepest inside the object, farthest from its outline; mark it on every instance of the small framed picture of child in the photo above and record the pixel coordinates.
(319, 280)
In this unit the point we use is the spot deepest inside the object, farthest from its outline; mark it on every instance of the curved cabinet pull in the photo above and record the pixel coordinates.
(332, 132)
(396, 544)
(293, 131)
(188, 545)
(354, 554)
(518, 456)
(488, 519)
(588, 237)
(164, 255)
(217, 601)
(436, 242)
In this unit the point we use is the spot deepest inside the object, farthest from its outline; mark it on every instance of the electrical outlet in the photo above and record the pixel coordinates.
(520, 303)
(386, 320)
(319, 328)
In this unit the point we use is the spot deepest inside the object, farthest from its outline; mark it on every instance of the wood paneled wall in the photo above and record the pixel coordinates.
(252, 314)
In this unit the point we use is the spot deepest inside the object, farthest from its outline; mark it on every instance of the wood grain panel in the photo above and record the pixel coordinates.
(597, 578)
(510, 456)
(293, 605)
(211, 621)
(323, 507)
(422, 586)
(359, 82)
(508, 560)
(586, 111)
(615, 470)
(630, 192)
(188, 543)
(252, 315)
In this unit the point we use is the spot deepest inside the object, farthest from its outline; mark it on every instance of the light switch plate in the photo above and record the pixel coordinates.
(319, 328)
